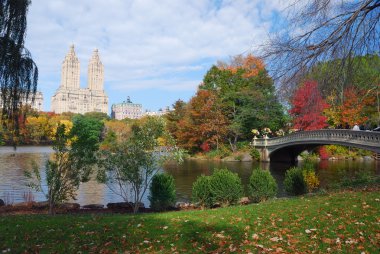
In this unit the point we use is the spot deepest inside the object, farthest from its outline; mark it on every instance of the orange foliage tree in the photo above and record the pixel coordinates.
(250, 64)
(356, 106)
(204, 123)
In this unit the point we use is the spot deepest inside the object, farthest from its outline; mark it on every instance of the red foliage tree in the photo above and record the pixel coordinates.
(307, 107)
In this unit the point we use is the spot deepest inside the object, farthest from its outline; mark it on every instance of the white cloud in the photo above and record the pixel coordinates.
(145, 38)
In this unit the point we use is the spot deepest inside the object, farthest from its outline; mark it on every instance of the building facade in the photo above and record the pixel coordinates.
(38, 101)
(126, 109)
(36, 104)
(70, 97)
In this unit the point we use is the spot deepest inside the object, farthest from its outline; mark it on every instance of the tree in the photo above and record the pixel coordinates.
(321, 31)
(307, 107)
(204, 122)
(73, 159)
(85, 136)
(353, 110)
(247, 96)
(174, 116)
(18, 72)
(129, 168)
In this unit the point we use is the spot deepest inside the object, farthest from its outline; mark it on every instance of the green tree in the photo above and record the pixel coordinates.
(174, 116)
(129, 168)
(162, 192)
(71, 165)
(85, 136)
(18, 72)
(247, 96)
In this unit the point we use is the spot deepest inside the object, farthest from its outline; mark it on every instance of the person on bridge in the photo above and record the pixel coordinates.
(356, 128)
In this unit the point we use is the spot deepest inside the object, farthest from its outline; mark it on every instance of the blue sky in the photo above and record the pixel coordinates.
(153, 51)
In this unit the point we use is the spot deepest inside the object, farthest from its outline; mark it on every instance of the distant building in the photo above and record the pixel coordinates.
(160, 112)
(36, 104)
(70, 97)
(126, 109)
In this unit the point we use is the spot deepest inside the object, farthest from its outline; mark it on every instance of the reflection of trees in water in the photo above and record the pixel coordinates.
(12, 180)
(91, 192)
(330, 172)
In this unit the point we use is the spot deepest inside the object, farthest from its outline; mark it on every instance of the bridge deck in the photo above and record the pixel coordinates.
(362, 139)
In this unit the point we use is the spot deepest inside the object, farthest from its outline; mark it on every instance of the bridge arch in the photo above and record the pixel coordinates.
(287, 148)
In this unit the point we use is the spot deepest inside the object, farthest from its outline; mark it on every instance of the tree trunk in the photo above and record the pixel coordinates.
(51, 207)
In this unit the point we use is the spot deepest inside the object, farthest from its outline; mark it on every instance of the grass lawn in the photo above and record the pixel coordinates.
(344, 222)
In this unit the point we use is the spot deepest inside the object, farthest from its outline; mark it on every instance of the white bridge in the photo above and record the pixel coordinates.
(287, 148)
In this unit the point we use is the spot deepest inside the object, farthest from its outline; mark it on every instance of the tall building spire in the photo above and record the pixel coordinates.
(95, 72)
(70, 76)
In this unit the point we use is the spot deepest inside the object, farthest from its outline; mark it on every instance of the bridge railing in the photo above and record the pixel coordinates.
(368, 137)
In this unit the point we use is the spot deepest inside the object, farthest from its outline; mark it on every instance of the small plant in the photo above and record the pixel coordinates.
(294, 182)
(255, 132)
(280, 133)
(255, 154)
(238, 157)
(201, 192)
(266, 131)
(311, 180)
(262, 186)
(242, 145)
(162, 192)
(226, 187)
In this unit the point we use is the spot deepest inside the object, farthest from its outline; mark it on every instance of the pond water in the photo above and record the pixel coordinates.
(13, 183)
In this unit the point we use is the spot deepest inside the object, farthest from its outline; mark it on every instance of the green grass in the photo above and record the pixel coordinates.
(344, 222)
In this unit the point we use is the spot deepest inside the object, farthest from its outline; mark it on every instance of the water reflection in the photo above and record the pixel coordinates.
(13, 182)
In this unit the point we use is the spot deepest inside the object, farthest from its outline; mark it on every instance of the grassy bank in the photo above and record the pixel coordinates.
(346, 221)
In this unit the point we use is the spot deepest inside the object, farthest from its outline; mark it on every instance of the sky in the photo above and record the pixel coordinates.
(155, 52)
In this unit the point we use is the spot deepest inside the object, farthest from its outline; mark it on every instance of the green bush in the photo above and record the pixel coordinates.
(201, 192)
(226, 187)
(262, 186)
(255, 154)
(294, 182)
(218, 153)
(242, 145)
(162, 192)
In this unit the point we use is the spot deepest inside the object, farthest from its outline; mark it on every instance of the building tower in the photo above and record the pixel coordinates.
(70, 77)
(95, 73)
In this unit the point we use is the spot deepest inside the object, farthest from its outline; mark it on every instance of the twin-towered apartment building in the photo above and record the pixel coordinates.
(70, 97)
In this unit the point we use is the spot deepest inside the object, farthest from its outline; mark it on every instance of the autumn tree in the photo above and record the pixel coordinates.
(307, 107)
(38, 128)
(174, 117)
(356, 107)
(18, 72)
(203, 123)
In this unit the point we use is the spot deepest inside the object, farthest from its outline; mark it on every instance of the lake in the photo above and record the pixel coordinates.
(13, 187)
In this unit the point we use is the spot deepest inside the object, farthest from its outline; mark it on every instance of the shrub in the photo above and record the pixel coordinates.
(162, 192)
(218, 153)
(255, 154)
(201, 192)
(262, 185)
(294, 182)
(226, 187)
(311, 180)
(242, 145)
